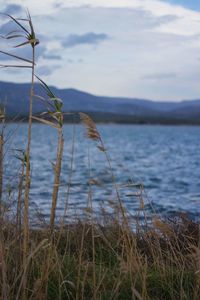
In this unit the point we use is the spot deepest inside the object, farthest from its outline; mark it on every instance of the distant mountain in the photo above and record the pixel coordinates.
(114, 109)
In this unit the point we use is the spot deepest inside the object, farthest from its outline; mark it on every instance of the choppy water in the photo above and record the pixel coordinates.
(165, 159)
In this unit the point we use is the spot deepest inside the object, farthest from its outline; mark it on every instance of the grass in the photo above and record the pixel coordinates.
(153, 265)
(87, 259)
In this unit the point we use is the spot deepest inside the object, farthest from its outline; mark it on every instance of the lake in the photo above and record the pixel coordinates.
(165, 159)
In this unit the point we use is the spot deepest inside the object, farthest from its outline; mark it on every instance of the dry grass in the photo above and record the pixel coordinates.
(92, 261)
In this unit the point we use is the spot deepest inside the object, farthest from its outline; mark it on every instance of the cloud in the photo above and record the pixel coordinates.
(161, 76)
(58, 4)
(13, 9)
(74, 61)
(89, 38)
(8, 27)
(152, 53)
(144, 18)
(24, 52)
(165, 19)
(46, 70)
(52, 56)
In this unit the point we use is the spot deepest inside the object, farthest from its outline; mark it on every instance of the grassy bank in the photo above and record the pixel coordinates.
(85, 260)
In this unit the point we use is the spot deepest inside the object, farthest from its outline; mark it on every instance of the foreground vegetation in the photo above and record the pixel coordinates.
(117, 257)
(86, 260)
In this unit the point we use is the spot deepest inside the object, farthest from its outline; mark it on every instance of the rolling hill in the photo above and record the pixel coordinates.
(105, 109)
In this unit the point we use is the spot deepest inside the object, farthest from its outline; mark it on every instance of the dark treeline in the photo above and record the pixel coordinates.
(103, 117)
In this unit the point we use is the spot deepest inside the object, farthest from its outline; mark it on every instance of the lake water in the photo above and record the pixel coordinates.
(165, 159)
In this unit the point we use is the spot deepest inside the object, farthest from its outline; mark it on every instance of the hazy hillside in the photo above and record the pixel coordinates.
(15, 96)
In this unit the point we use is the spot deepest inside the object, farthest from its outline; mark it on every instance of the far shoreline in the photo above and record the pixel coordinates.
(166, 123)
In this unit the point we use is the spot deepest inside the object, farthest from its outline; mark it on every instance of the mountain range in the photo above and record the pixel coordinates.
(14, 96)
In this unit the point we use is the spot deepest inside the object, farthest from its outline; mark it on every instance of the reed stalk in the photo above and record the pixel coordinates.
(2, 118)
(29, 39)
(56, 120)
(4, 294)
(57, 172)
(3, 268)
(27, 172)
(19, 204)
(19, 200)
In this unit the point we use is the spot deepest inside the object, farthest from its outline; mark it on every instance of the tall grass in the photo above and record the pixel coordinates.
(87, 259)
(56, 116)
(29, 38)
(2, 120)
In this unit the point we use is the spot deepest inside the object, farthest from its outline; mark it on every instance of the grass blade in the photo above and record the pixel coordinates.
(32, 41)
(46, 122)
(45, 86)
(14, 36)
(14, 66)
(15, 56)
(18, 23)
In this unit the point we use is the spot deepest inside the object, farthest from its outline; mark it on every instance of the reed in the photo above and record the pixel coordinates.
(2, 119)
(29, 38)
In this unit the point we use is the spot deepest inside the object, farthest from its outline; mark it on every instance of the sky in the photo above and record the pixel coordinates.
(132, 48)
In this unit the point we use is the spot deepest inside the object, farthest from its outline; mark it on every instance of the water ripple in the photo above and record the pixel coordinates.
(165, 159)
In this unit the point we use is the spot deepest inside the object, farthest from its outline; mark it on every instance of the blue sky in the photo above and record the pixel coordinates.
(192, 4)
(133, 48)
